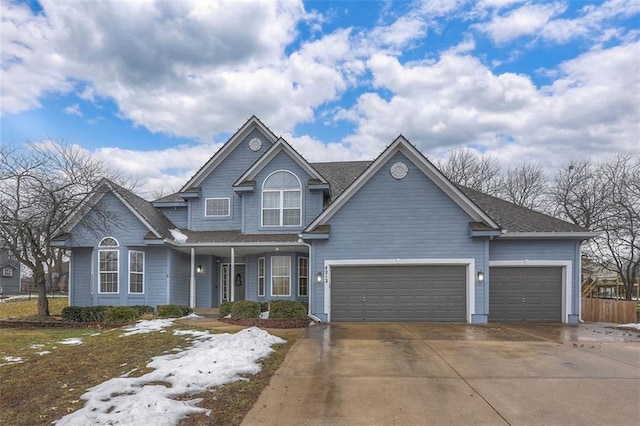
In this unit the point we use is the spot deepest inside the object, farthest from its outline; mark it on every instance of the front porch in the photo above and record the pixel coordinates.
(277, 268)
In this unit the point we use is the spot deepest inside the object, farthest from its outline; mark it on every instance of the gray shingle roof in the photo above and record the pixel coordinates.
(154, 217)
(513, 218)
(341, 174)
(195, 237)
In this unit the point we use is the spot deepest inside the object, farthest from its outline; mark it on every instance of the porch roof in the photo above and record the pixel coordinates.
(236, 237)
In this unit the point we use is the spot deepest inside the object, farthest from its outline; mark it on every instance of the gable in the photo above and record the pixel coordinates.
(109, 217)
(253, 128)
(421, 164)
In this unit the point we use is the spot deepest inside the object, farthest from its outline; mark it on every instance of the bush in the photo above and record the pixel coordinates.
(143, 309)
(173, 311)
(264, 306)
(94, 313)
(224, 309)
(286, 309)
(72, 313)
(120, 314)
(244, 309)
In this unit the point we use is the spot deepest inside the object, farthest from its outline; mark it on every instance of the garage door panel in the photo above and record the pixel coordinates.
(525, 294)
(398, 293)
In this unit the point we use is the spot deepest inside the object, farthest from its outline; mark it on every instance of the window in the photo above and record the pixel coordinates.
(136, 271)
(108, 266)
(282, 200)
(216, 207)
(303, 276)
(280, 276)
(261, 276)
(7, 272)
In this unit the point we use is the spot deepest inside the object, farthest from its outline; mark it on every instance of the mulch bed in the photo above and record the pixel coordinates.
(270, 323)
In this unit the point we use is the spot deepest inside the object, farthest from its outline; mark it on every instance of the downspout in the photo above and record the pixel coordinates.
(309, 278)
(578, 273)
(192, 280)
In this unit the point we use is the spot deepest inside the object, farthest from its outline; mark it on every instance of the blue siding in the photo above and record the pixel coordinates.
(155, 275)
(219, 185)
(179, 278)
(311, 200)
(391, 219)
(177, 215)
(80, 292)
(204, 282)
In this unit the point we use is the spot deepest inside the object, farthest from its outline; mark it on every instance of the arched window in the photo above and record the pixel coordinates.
(282, 200)
(108, 265)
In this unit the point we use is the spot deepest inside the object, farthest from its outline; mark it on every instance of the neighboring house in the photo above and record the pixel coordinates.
(9, 273)
(603, 283)
(388, 240)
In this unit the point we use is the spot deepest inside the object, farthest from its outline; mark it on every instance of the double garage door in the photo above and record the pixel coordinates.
(438, 293)
(398, 293)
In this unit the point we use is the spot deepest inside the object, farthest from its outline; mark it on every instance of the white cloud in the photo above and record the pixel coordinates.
(589, 110)
(524, 20)
(73, 110)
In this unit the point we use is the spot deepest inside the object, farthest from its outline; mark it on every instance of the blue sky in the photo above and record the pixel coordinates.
(155, 87)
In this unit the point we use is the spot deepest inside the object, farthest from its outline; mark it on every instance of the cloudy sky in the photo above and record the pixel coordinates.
(155, 87)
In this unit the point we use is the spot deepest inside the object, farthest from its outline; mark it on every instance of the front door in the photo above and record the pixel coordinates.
(232, 284)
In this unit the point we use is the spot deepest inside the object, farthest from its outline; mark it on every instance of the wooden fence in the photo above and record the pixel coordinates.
(608, 310)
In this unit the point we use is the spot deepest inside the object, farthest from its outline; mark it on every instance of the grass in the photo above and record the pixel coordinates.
(24, 308)
(46, 387)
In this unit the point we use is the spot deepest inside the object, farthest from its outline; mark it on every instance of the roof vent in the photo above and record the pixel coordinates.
(399, 170)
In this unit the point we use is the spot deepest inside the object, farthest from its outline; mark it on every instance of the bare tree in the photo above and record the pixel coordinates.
(40, 185)
(467, 168)
(525, 185)
(605, 197)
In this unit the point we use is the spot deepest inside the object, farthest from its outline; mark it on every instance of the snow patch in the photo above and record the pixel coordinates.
(178, 236)
(12, 360)
(71, 341)
(630, 325)
(148, 326)
(264, 315)
(212, 360)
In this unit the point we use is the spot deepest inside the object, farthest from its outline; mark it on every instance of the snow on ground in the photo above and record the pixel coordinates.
(212, 360)
(148, 326)
(71, 341)
(630, 325)
(11, 360)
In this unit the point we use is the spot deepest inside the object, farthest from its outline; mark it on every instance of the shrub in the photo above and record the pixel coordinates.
(121, 314)
(94, 313)
(244, 309)
(173, 311)
(224, 309)
(264, 306)
(72, 313)
(285, 309)
(144, 309)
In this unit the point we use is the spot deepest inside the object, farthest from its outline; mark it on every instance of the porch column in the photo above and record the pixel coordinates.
(192, 280)
(232, 275)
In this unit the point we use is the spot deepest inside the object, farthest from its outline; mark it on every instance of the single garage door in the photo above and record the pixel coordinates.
(525, 294)
(398, 293)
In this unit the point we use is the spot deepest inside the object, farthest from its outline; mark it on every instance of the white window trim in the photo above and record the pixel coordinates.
(7, 272)
(278, 276)
(144, 266)
(217, 216)
(281, 207)
(469, 263)
(300, 276)
(264, 283)
(117, 271)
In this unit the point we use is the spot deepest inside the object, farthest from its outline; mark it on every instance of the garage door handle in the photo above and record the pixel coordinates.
(522, 300)
(364, 298)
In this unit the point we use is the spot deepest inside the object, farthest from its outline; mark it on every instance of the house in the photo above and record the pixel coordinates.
(9, 273)
(603, 283)
(387, 240)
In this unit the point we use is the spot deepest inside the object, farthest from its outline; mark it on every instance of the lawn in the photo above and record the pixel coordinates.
(22, 308)
(43, 379)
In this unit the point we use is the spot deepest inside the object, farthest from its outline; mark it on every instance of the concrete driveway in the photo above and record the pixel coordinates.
(455, 374)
